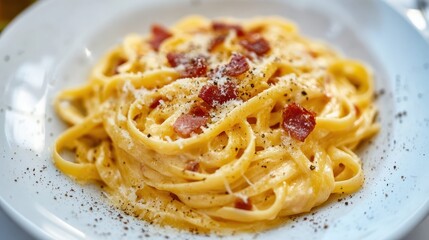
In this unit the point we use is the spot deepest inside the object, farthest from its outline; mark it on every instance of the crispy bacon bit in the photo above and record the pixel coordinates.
(175, 59)
(193, 67)
(155, 103)
(218, 94)
(192, 121)
(236, 66)
(298, 121)
(244, 205)
(188, 123)
(159, 34)
(256, 44)
(200, 109)
(192, 166)
(216, 42)
(222, 27)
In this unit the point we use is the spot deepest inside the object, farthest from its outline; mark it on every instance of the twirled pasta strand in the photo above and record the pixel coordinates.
(122, 128)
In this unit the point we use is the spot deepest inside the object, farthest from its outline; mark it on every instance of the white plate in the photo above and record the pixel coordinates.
(54, 44)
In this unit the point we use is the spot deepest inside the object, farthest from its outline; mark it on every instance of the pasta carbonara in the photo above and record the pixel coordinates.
(220, 124)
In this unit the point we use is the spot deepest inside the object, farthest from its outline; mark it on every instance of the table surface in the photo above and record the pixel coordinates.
(10, 230)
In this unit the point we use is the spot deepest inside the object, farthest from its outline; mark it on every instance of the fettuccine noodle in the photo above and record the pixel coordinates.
(217, 125)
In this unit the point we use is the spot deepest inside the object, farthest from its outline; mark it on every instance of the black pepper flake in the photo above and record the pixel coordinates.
(149, 135)
(312, 167)
(304, 93)
(252, 85)
(379, 93)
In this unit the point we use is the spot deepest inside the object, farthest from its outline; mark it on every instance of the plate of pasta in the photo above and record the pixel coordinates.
(197, 120)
